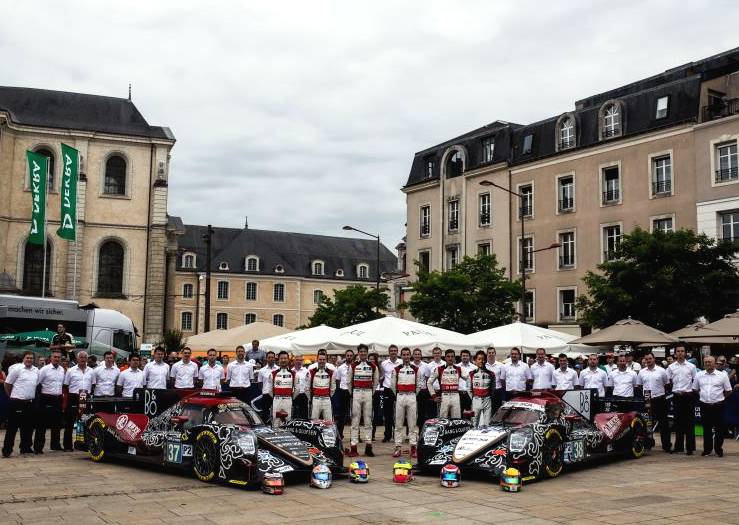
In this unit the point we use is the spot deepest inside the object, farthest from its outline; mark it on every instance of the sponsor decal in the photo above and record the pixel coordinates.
(475, 440)
(612, 426)
(524, 405)
(120, 423)
(187, 450)
(284, 468)
(237, 482)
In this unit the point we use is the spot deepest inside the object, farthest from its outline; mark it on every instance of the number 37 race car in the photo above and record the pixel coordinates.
(538, 433)
(216, 437)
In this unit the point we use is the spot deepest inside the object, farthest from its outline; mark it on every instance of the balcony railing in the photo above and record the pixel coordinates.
(566, 204)
(425, 230)
(610, 196)
(566, 143)
(611, 132)
(525, 211)
(727, 174)
(566, 262)
(661, 187)
(721, 109)
(484, 219)
(609, 255)
(567, 313)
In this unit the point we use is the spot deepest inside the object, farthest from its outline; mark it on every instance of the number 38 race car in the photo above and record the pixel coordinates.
(214, 436)
(538, 433)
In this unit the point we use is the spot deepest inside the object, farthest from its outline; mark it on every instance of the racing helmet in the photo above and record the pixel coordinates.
(402, 471)
(450, 476)
(273, 483)
(358, 472)
(320, 477)
(510, 480)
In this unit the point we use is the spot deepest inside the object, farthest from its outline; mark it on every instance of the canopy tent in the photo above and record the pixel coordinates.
(379, 334)
(698, 333)
(300, 342)
(228, 340)
(526, 337)
(726, 328)
(627, 332)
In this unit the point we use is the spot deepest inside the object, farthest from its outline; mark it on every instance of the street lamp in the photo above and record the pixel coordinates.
(378, 250)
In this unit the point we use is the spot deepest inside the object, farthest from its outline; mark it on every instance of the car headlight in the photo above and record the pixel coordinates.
(518, 440)
(247, 442)
(329, 436)
(431, 435)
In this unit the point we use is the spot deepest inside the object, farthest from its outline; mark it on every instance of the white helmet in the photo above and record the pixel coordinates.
(320, 477)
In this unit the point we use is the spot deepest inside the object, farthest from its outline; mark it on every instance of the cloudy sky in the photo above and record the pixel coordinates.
(305, 116)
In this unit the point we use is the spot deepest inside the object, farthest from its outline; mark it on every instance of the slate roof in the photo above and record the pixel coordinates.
(295, 252)
(77, 111)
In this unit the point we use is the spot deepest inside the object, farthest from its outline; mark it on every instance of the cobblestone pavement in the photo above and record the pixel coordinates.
(657, 489)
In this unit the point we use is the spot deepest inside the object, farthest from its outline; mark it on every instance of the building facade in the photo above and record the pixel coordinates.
(119, 258)
(660, 153)
(261, 275)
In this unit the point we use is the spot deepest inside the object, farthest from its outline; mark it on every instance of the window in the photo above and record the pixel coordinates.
(730, 226)
(530, 305)
(528, 142)
(452, 257)
(188, 260)
(221, 321)
(222, 290)
(50, 156)
(567, 250)
(429, 162)
(33, 264)
(223, 266)
(526, 254)
(251, 291)
(250, 318)
(454, 165)
(279, 269)
(278, 320)
(186, 321)
(567, 305)
(488, 147)
(566, 194)
(424, 260)
(278, 293)
(483, 248)
(187, 291)
(663, 224)
(317, 267)
(425, 221)
(611, 185)
(527, 201)
(484, 209)
(662, 175)
(252, 263)
(611, 121)
(567, 133)
(115, 176)
(611, 240)
(110, 268)
(363, 271)
(662, 103)
(726, 159)
(339, 273)
(453, 212)
(318, 296)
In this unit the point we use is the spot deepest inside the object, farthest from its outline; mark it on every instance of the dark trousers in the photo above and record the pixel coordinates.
(684, 408)
(388, 409)
(659, 414)
(49, 416)
(432, 407)
(497, 399)
(20, 417)
(70, 418)
(300, 407)
(343, 406)
(266, 408)
(465, 401)
(240, 393)
(377, 415)
(422, 399)
(714, 428)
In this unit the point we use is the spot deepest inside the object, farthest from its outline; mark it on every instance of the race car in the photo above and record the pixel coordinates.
(538, 433)
(214, 436)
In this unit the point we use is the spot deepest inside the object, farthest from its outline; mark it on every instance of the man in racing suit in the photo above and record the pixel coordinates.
(482, 388)
(404, 383)
(362, 381)
(321, 387)
(282, 388)
(448, 376)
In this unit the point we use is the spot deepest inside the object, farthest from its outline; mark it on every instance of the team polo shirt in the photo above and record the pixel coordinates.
(184, 374)
(497, 368)
(104, 379)
(597, 378)
(653, 380)
(24, 380)
(387, 367)
(542, 374)
(711, 386)
(623, 382)
(78, 380)
(515, 376)
(682, 376)
(239, 374)
(564, 379)
(265, 377)
(130, 380)
(156, 374)
(51, 379)
(211, 376)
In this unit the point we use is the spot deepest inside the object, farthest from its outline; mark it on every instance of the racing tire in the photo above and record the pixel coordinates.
(639, 438)
(95, 439)
(205, 456)
(553, 453)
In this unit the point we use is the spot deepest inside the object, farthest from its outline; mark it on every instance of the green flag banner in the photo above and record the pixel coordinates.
(38, 169)
(70, 174)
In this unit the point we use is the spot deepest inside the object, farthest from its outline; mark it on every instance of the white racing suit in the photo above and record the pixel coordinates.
(482, 387)
(321, 389)
(448, 377)
(283, 390)
(405, 387)
(363, 379)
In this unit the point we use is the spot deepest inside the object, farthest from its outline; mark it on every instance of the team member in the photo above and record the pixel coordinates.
(131, 378)
(713, 387)
(184, 372)
(256, 354)
(300, 402)
(156, 372)
(362, 380)
(239, 374)
(594, 377)
(211, 374)
(51, 380)
(432, 408)
(20, 386)
(62, 340)
(610, 363)
(465, 401)
(482, 385)
(283, 389)
(422, 391)
(104, 377)
(387, 367)
(496, 368)
(265, 375)
(322, 352)
(653, 380)
(631, 364)
(682, 376)
(321, 388)
(404, 384)
(515, 375)
(448, 376)
(623, 380)
(564, 377)
(541, 371)
(343, 395)
(78, 379)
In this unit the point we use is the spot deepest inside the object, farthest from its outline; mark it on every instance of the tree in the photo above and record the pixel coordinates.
(352, 305)
(472, 296)
(172, 340)
(664, 279)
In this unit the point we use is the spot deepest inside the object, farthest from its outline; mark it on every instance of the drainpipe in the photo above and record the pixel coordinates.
(148, 235)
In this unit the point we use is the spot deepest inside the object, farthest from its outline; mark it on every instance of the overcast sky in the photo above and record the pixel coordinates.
(304, 116)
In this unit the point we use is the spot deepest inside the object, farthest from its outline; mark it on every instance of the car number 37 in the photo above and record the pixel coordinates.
(174, 451)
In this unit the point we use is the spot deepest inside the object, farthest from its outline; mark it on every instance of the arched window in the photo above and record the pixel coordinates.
(279, 269)
(252, 263)
(115, 176)
(339, 273)
(250, 318)
(454, 164)
(317, 267)
(33, 263)
(318, 296)
(363, 271)
(611, 120)
(110, 268)
(566, 133)
(186, 321)
(278, 320)
(221, 321)
(46, 152)
(187, 291)
(223, 266)
(188, 260)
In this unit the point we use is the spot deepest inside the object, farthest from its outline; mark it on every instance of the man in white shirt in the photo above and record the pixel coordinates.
(713, 387)
(631, 364)
(467, 366)
(387, 367)
(239, 373)
(185, 371)
(432, 408)
(541, 371)
(515, 375)
(682, 375)
(20, 387)
(265, 378)
(610, 363)
(156, 372)
(104, 377)
(422, 395)
(302, 379)
(131, 378)
(564, 377)
(594, 377)
(211, 373)
(78, 379)
(653, 381)
(343, 396)
(51, 380)
(623, 380)
(496, 368)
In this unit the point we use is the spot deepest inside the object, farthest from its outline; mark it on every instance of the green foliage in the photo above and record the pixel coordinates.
(172, 340)
(355, 304)
(664, 279)
(473, 296)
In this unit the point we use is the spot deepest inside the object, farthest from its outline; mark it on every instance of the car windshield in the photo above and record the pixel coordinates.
(237, 414)
(516, 415)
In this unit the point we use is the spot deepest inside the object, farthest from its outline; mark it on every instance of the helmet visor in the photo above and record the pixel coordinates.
(322, 476)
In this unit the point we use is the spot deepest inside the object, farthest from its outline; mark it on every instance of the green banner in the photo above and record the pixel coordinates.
(38, 171)
(68, 193)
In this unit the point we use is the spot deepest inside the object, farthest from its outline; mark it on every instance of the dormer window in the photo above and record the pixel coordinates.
(363, 271)
(317, 267)
(528, 142)
(611, 117)
(279, 269)
(252, 264)
(188, 260)
(454, 164)
(223, 266)
(566, 133)
(339, 273)
(429, 167)
(662, 105)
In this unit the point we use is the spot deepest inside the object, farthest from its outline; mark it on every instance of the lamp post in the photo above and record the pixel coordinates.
(377, 285)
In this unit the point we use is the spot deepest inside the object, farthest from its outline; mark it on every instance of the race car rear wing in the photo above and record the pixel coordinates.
(147, 401)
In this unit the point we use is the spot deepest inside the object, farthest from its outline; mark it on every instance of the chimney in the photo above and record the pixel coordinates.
(246, 222)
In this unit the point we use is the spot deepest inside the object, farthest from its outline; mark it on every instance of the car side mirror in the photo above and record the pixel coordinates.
(178, 420)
